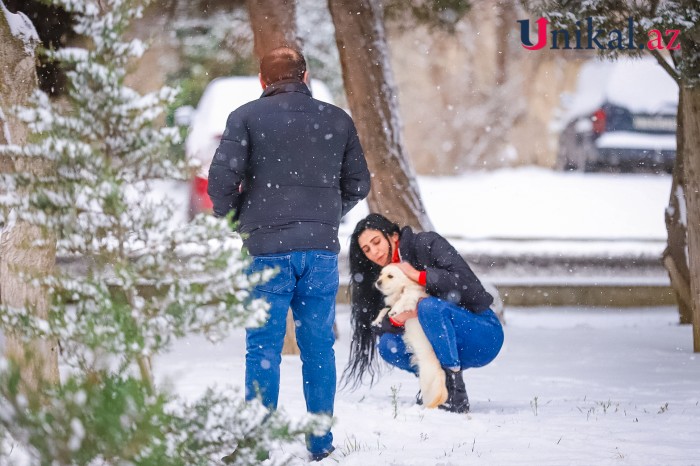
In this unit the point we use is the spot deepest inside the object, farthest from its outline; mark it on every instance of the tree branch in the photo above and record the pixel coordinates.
(653, 8)
(664, 64)
(675, 57)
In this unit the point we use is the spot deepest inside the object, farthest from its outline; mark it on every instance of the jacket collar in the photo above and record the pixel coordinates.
(286, 85)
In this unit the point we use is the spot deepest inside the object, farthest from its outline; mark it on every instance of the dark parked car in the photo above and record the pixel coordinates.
(622, 116)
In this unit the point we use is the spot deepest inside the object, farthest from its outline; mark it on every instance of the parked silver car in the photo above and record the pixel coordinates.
(622, 116)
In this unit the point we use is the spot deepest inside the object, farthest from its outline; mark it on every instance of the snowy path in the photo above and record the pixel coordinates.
(571, 386)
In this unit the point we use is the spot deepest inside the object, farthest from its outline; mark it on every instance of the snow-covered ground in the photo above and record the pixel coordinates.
(537, 203)
(574, 386)
(571, 386)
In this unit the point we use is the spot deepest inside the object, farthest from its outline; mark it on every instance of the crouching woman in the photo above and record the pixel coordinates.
(456, 317)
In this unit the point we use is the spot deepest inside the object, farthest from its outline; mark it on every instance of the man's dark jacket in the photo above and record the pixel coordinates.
(448, 276)
(291, 167)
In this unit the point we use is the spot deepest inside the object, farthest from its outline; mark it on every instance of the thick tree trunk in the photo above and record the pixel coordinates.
(38, 360)
(371, 92)
(18, 255)
(690, 108)
(675, 257)
(274, 25)
(17, 80)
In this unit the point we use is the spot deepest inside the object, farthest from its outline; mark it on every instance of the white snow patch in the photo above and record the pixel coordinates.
(680, 195)
(629, 76)
(22, 28)
(78, 434)
(5, 127)
(635, 140)
(563, 211)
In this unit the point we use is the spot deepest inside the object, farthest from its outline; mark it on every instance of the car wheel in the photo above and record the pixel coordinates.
(564, 164)
(627, 168)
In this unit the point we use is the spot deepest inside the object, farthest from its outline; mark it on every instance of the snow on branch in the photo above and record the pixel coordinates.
(5, 127)
(21, 28)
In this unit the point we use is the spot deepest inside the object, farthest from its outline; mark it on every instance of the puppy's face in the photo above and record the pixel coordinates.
(391, 280)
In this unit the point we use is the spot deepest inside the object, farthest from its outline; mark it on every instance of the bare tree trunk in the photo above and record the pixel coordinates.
(371, 92)
(19, 255)
(38, 360)
(675, 258)
(17, 81)
(274, 25)
(690, 107)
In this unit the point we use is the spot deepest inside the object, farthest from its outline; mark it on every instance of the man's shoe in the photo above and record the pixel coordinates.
(322, 455)
(457, 399)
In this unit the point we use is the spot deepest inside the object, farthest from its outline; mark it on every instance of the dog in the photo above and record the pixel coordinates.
(402, 294)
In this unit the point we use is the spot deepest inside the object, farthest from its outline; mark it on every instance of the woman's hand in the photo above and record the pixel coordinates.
(409, 270)
(404, 316)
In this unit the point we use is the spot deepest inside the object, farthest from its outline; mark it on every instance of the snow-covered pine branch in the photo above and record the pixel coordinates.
(142, 285)
(100, 148)
(647, 15)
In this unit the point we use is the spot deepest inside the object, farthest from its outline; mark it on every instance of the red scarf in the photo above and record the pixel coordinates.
(396, 258)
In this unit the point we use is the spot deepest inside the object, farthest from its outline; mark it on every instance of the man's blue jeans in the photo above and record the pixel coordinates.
(461, 339)
(307, 282)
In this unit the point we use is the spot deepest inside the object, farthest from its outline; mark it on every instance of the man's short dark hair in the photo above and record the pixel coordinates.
(282, 63)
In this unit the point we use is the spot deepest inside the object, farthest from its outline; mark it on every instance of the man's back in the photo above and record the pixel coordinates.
(300, 165)
(291, 167)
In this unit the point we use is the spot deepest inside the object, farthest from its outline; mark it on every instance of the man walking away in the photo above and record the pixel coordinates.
(290, 167)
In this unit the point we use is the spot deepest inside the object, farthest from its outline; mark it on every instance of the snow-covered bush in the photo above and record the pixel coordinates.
(142, 283)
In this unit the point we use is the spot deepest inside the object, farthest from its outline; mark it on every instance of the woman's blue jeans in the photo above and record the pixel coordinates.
(461, 339)
(307, 282)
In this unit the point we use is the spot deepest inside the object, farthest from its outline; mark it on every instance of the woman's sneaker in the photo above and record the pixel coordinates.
(457, 399)
(322, 455)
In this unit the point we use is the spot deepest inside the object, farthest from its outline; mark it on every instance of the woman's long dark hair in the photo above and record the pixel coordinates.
(366, 302)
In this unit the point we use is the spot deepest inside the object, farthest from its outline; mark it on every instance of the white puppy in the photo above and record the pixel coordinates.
(402, 294)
